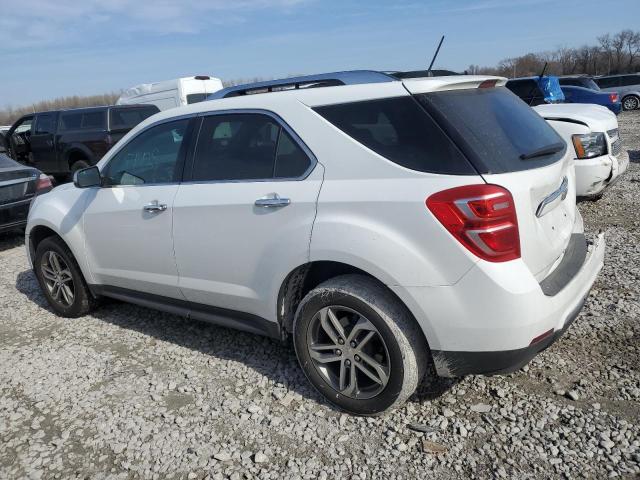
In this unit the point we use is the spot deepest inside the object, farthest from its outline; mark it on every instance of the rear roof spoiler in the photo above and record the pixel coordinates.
(358, 77)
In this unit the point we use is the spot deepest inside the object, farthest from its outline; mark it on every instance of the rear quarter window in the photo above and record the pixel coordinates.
(494, 128)
(127, 118)
(608, 82)
(401, 131)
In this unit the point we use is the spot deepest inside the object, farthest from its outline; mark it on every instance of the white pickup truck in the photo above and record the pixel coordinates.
(591, 132)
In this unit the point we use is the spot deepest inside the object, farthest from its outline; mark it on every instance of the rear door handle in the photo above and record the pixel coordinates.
(272, 201)
(155, 207)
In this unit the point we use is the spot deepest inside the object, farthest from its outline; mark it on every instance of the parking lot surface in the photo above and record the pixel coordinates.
(132, 393)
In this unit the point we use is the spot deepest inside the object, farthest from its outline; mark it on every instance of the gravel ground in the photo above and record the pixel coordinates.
(132, 393)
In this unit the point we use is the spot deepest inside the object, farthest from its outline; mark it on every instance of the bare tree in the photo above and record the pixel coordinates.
(11, 114)
(617, 53)
(618, 43)
(607, 50)
(633, 48)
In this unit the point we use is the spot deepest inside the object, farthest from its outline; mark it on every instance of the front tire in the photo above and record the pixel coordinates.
(358, 345)
(61, 280)
(630, 103)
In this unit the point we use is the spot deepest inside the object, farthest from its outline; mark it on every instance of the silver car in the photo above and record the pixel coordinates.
(627, 86)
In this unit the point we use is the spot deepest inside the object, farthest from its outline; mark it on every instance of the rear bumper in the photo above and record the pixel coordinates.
(615, 107)
(596, 174)
(14, 215)
(458, 364)
(498, 317)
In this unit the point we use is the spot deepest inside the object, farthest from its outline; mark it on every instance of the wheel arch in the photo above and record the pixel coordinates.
(77, 152)
(304, 278)
(37, 234)
(635, 95)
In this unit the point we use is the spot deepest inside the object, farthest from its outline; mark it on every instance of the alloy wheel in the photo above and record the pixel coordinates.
(630, 103)
(349, 352)
(58, 278)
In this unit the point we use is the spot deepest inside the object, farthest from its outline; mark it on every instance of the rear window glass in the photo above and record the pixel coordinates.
(127, 118)
(95, 120)
(494, 128)
(608, 82)
(196, 97)
(524, 88)
(401, 131)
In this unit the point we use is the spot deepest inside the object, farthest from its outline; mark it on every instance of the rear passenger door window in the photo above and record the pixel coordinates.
(246, 147)
(75, 121)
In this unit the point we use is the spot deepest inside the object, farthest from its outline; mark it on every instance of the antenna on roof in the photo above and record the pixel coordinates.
(533, 89)
(544, 69)
(434, 57)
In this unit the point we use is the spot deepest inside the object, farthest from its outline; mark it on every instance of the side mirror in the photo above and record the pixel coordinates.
(87, 177)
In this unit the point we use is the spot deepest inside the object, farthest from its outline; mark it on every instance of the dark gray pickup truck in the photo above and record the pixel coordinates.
(61, 142)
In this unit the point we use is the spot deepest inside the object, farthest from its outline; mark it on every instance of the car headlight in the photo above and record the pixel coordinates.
(589, 145)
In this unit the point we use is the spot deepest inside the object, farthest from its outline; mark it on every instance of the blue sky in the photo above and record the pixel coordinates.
(64, 47)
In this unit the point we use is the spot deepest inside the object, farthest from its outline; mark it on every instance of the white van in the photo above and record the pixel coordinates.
(172, 93)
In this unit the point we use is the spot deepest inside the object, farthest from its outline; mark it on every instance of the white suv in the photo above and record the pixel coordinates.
(388, 226)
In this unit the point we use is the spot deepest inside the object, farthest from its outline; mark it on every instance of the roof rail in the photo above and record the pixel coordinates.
(333, 79)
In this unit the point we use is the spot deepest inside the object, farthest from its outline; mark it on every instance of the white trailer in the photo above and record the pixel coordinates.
(172, 93)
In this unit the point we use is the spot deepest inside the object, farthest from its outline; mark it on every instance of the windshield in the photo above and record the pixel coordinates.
(496, 130)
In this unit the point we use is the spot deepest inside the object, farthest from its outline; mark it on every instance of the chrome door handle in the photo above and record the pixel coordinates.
(272, 201)
(155, 207)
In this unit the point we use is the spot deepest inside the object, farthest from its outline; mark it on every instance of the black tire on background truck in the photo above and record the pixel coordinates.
(78, 165)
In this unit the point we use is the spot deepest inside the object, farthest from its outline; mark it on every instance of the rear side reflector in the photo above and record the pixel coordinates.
(482, 218)
(539, 338)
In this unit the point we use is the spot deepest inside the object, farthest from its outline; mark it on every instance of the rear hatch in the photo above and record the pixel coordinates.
(17, 182)
(513, 147)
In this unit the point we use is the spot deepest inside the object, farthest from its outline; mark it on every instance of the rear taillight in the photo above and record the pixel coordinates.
(482, 218)
(44, 184)
(488, 84)
(613, 97)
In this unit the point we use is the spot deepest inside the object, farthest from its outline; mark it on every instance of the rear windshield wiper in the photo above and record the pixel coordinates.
(541, 152)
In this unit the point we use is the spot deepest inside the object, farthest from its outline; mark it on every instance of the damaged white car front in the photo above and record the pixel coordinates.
(592, 134)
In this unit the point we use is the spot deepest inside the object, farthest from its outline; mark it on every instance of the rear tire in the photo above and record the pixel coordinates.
(630, 103)
(78, 165)
(61, 280)
(364, 370)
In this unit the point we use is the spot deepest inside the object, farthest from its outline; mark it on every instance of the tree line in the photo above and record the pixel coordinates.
(617, 53)
(10, 114)
(612, 54)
